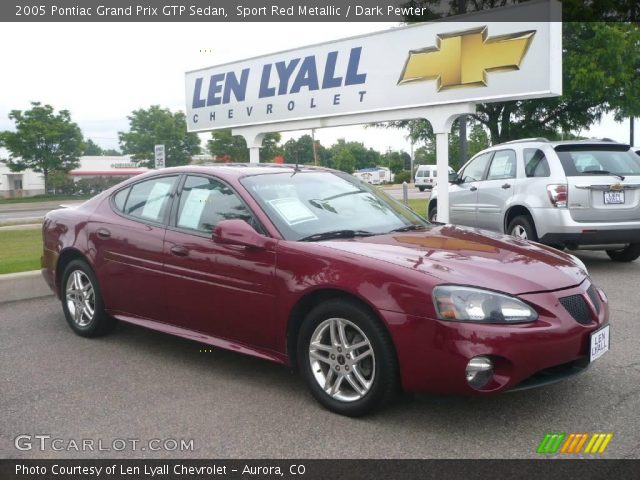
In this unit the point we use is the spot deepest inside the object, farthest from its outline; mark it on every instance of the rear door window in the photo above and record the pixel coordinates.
(149, 200)
(503, 165)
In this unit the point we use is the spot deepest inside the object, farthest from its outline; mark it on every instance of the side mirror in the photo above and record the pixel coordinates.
(453, 178)
(238, 232)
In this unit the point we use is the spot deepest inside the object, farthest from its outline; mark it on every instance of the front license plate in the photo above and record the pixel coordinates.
(599, 343)
(613, 198)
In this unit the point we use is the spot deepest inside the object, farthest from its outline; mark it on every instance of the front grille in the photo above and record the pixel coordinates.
(577, 306)
(594, 297)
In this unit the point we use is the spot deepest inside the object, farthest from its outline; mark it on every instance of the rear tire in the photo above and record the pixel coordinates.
(329, 362)
(628, 254)
(522, 227)
(82, 301)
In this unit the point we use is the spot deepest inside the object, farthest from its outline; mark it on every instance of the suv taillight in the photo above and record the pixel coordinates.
(558, 194)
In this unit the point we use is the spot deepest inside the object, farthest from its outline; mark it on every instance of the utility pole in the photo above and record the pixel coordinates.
(632, 133)
(315, 154)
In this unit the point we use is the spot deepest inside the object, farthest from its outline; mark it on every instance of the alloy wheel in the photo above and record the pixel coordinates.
(80, 298)
(519, 232)
(342, 359)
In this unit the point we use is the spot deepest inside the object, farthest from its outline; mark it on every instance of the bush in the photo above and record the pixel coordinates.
(403, 176)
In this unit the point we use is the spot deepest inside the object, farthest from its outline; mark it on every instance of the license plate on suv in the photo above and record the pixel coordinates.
(599, 344)
(613, 198)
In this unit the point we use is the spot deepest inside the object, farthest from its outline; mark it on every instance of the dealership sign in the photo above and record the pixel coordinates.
(414, 66)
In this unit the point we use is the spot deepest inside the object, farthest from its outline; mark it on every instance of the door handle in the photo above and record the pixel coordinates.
(506, 185)
(103, 233)
(179, 251)
(473, 189)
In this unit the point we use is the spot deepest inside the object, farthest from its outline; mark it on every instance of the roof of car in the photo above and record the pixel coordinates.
(554, 143)
(244, 169)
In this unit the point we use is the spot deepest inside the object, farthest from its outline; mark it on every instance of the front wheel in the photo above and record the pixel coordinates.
(628, 254)
(433, 215)
(346, 358)
(82, 302)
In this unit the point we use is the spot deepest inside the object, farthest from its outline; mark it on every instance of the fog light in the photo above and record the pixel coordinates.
(479, 372)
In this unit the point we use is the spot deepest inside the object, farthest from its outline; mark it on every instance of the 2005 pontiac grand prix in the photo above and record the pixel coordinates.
(312, 268)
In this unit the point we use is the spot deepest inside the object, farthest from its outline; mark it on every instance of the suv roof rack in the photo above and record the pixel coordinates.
(522, 140)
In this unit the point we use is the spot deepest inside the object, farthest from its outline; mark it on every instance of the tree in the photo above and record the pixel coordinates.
(345, 161)
(271, 147)
(42, 141)
(159, 126)
(224, 144)
(300, 150)
(92, 148)
(111, 152)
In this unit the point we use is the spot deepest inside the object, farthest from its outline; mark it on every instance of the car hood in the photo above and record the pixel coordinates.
(466, 256)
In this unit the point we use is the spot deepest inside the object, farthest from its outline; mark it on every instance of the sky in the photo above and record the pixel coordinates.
(101, 72)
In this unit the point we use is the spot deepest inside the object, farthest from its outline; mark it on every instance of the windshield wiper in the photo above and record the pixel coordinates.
(336, 234)
(604, 172)
(408, 228)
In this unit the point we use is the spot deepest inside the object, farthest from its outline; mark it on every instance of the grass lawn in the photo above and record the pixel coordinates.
(20, 250)
(42, 198)
(419, 205)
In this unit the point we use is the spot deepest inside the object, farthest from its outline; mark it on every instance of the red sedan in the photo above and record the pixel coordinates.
(315, 269)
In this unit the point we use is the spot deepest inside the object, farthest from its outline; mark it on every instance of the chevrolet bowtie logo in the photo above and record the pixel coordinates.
(463, 59)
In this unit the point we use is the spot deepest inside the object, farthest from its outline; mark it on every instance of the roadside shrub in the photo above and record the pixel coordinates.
(403, 176)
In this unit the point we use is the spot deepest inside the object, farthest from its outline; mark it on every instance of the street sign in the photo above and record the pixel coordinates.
(159, 158)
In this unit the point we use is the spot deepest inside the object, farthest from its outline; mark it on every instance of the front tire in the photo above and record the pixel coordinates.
(628, 254)
(433, 215)
(522, 227)
(82, 301)
(347, 358)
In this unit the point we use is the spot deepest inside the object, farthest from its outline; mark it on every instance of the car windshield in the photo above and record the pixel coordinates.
(593, 161)
(311, 203)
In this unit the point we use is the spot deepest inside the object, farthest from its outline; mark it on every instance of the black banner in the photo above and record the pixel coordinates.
(317, 469)
(298, 11)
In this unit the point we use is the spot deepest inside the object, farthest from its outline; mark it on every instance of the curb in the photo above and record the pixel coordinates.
(23, 286)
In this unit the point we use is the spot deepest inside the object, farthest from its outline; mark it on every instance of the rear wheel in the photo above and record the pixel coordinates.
(346, 358)
(82, 302)
(522, 227)
(628, 254)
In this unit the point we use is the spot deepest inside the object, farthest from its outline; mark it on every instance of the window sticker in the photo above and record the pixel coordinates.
(193, 208)
(156, 200)
(292, 210)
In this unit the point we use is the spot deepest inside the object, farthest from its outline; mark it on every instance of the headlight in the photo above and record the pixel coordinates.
(483, 306)
(579, 263)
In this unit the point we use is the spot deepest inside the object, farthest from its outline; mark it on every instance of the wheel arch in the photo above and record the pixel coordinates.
(65, 258)
(310, 300)
(513, 212)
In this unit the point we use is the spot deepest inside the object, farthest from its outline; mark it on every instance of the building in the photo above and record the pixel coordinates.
(29, 183)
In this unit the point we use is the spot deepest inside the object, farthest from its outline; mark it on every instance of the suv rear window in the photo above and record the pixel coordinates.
(579, 160)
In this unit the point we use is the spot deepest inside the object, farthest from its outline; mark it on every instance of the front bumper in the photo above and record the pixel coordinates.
(433, 354)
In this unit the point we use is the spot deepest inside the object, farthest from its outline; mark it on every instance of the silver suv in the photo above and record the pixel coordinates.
(572, 194)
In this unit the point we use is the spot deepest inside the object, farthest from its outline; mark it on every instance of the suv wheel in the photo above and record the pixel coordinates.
(346, 358)
(522, 227)
(628, 254)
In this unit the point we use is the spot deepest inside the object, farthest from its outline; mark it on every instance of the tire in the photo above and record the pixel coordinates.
(79, 274)
(628, 254)
(353, 388)
(523, 227)
(421, 189)
(433, 215)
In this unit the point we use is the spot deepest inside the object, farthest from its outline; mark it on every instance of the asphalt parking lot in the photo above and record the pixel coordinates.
(139, 384)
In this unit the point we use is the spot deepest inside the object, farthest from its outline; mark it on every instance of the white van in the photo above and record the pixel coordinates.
(427, 177)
